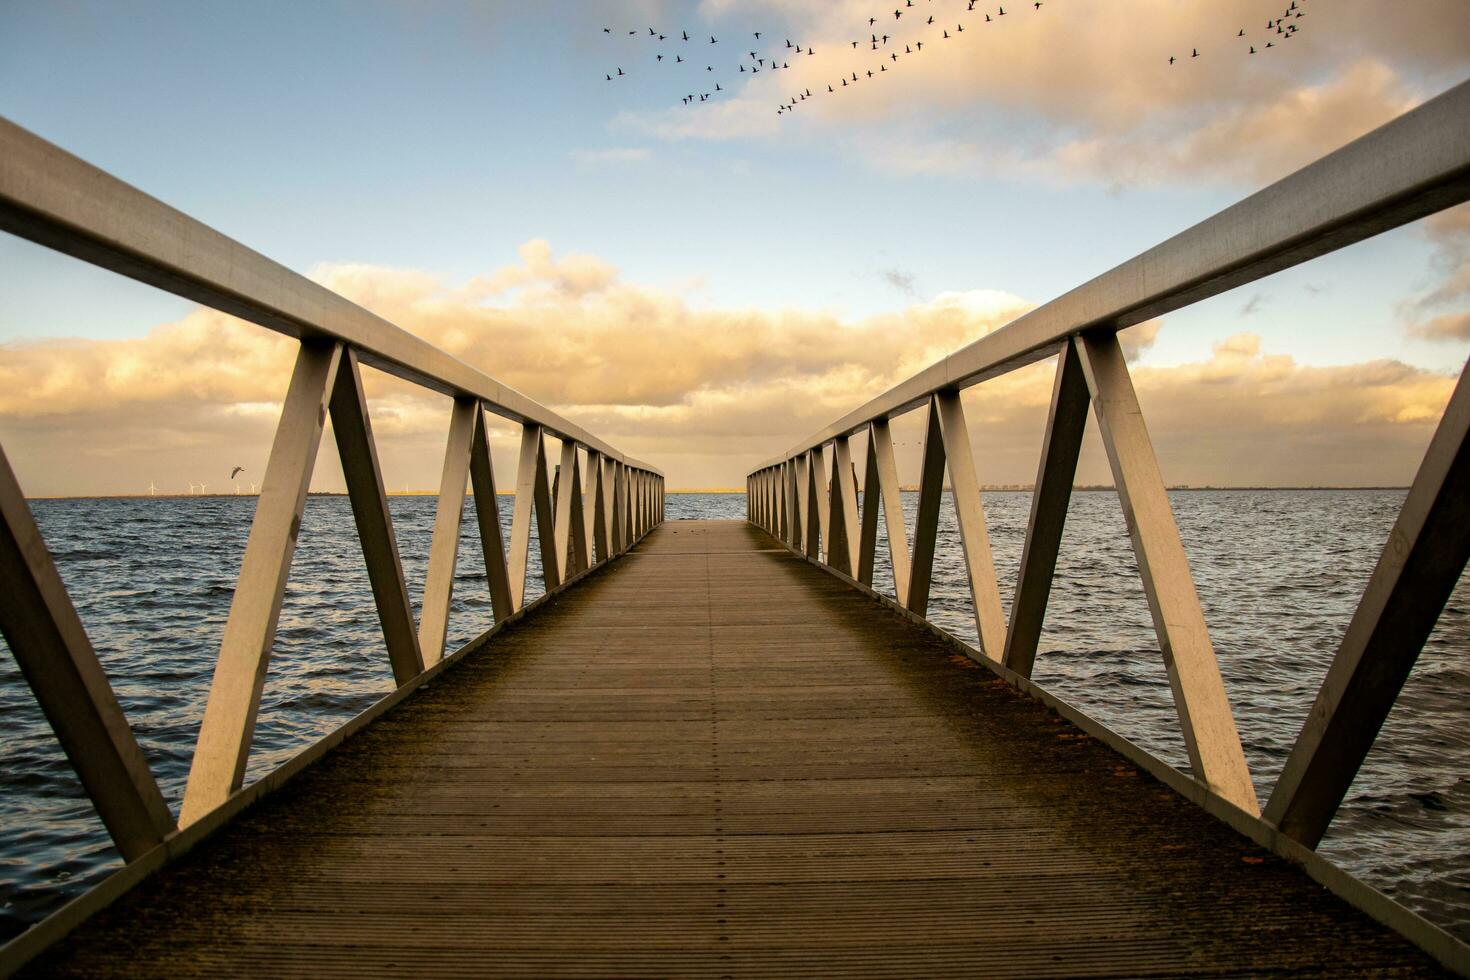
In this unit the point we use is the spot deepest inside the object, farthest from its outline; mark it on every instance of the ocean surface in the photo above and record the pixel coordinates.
(1279, 573)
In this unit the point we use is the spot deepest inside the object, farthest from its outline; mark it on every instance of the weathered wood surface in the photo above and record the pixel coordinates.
(714, 760)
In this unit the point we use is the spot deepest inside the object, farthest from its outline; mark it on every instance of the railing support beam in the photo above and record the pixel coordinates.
(367, 494)
(1065, 426)
(487, 517)
(444, 546)
(225, 734)
(1179, 621)
(50, 645)
(969, 508)
(842, 552)
(1424, 558)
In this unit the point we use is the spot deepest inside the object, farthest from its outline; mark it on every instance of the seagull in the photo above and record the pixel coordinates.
(236, 472)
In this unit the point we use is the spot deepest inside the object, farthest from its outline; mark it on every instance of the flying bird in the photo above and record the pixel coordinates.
(236, 472)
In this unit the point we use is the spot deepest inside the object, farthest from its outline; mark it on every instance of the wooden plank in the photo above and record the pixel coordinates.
(926, 519)
(487, 517)
(1423, 559)
(368, 496)
(1065, 425)
(589, 797)
(990, 619)
(51, 647)
(844, 520)
(223, 746)
(1179, 622)
(444, 546)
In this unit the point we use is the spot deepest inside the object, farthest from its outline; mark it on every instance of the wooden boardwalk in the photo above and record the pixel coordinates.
(714, 760)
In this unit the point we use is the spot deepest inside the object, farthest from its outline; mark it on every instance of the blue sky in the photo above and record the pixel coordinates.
(442, 136)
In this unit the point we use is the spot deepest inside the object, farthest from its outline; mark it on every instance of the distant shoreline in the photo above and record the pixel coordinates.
(1000, 488)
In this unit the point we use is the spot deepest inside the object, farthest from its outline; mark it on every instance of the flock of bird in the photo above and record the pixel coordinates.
(881, 50)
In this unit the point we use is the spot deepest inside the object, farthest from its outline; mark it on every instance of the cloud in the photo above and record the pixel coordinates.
(1443, 312)
(1084, 91)
(703, 393)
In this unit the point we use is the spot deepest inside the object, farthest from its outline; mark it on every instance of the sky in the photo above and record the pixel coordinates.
(703, 285)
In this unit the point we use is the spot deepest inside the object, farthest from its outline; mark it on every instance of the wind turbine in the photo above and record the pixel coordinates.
(252, 488)
(202, 487)
(191, 489)
(152, 490)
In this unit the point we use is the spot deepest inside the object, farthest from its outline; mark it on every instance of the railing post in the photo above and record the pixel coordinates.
(487, 516)
(1415, 575)
(50, 645)
(842, 552)
(444, 547)
(990, 619)
(816, 488)
(374, 521)
(793, 486)
(225, 734)
(926, 519)
(531, 492)
(567, 499)
(881, 487)
(1065, 426)
(592, 507)
(602, 519)
(1179, 622)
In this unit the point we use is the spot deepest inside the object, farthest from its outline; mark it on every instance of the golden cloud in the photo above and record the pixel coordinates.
(702, 393)
(1084, 91)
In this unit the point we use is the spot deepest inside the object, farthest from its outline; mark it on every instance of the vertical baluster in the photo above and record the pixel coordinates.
(527, 467)
(1415, 575)
(581, 556)
(487, 516)
(444, 547)
(1179, 622)
(366, 492)
(567, 499)
(223, 746)
(842, 553)
(1065, 426)
(804, 514)
(990, 621)
(884, 486)
(926, 520)
(592, 508)
(50, 645)
(812, 534)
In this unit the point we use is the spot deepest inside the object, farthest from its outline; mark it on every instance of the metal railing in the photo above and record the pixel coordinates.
(57, 200)
(1412, 167)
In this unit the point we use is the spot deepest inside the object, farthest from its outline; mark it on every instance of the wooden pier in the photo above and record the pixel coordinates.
(714, 759)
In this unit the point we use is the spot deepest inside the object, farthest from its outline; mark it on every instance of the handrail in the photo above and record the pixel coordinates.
(57, 200)
(1411, 167)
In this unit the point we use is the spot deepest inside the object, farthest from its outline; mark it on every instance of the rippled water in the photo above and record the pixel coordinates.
(1278, 571)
